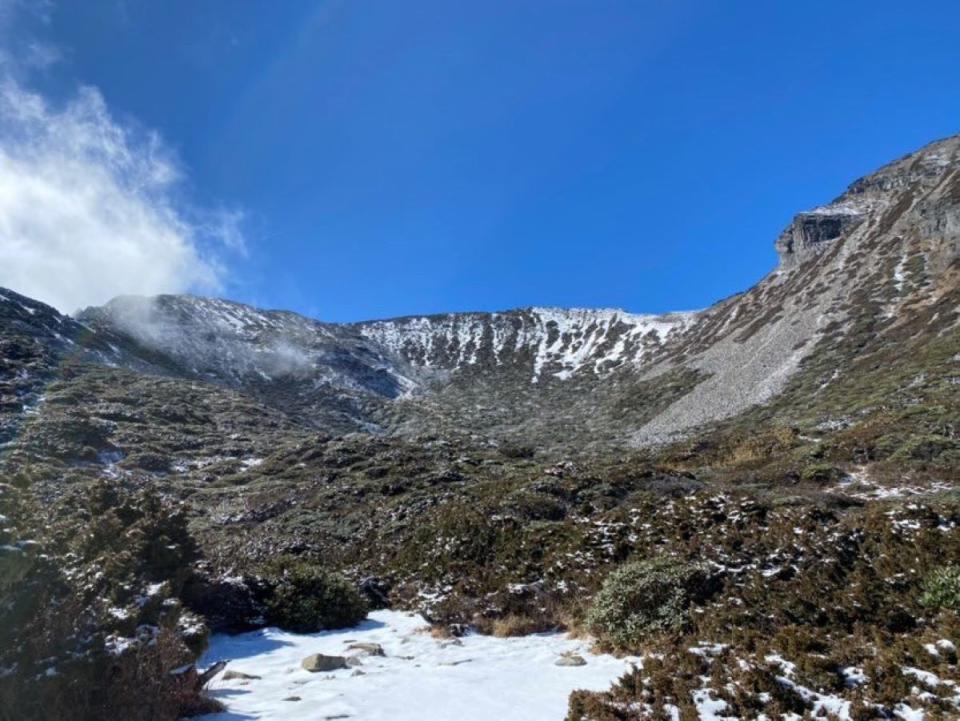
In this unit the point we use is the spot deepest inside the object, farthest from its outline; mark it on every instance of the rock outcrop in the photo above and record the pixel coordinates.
(813, 231)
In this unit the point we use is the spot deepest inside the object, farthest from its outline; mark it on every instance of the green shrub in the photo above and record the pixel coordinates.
(533, 506)
(646, 598)
(66, 654)
(517, 451)
(821, 473)
(305, 598)
(942, 589)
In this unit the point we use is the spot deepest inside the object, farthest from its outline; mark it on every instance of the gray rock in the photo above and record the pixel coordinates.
(367, 649)
(571, 660)
(455, 663)
(317, 662)
(232, 675)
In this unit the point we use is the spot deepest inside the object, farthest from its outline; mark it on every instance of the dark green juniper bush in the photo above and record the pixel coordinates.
(304, 598)
(91, 622)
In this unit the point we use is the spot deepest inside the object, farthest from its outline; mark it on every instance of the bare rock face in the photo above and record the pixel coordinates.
(540, 343)
(812, 232)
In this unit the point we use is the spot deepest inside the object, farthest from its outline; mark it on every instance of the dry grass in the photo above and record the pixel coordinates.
(516, 625)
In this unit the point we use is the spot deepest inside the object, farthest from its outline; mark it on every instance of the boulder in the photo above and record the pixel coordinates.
(317, 662)
(232, 675)
(188, 680)
(571, 660)
(205, 676)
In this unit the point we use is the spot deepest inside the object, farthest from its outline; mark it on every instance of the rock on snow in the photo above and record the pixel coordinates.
(419, 678)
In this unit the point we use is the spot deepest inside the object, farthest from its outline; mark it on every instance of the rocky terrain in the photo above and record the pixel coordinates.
(176, 464)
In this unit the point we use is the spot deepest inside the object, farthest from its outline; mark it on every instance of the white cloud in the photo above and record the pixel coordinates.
(89, 207)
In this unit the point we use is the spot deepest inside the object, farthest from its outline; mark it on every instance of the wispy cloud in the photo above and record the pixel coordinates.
(91, 207)
(21, 48)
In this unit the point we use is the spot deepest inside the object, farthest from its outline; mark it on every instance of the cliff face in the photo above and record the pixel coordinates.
(895, 186)
(811, 232)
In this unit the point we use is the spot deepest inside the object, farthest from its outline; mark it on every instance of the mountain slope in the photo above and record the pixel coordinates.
(386, 375)
(881, 256)
(322, 375)
(545, 341)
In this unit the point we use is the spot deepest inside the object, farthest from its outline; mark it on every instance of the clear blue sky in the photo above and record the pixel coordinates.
(433, 155)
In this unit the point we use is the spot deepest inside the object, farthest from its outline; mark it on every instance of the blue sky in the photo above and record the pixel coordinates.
(394, 158)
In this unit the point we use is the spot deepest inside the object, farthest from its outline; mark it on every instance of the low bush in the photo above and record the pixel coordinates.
(517, 451)
(90, 623)
(821, 473)
(516, 625)
(302, 597)
(942, 589)
(646, 598)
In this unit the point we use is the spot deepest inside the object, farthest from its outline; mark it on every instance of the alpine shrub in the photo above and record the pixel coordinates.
(942, 589)
(646, 598)
(304, 598)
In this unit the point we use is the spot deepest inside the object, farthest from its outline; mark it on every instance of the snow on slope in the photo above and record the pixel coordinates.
(235, 342)
(559, 341)
(479, 678)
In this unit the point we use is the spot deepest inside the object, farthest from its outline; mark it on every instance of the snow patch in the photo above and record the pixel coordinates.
(420, 679)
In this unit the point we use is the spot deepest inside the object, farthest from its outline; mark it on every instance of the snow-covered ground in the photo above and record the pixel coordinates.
(421, 678)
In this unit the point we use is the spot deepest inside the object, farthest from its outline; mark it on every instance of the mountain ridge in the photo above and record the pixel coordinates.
(173, 462)
(874, 255)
